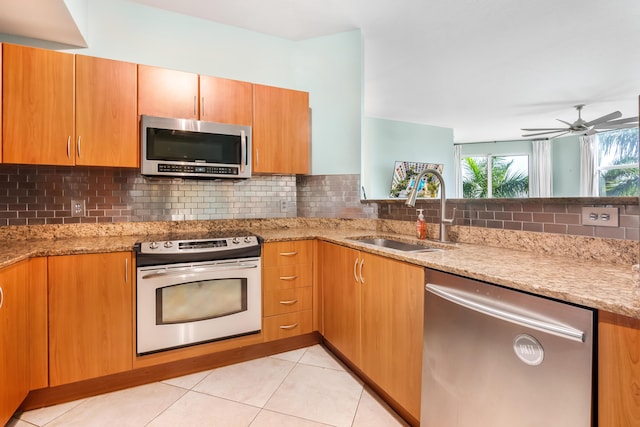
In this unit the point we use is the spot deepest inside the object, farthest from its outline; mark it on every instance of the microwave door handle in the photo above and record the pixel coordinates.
(189, 271)
(243, 150)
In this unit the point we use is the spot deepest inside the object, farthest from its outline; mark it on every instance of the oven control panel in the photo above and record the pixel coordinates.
(198, 245)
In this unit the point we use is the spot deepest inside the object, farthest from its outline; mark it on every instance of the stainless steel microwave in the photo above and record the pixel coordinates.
(193, 148)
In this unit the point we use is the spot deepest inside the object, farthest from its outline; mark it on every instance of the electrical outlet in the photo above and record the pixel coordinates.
(78, 208)
(602, 217)
(283, 205)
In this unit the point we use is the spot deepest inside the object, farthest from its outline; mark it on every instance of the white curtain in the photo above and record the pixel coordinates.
(457, 170)
(541, 184)
(589, 166)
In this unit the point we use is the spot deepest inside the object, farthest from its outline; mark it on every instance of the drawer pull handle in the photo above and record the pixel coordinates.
(289, 326)
(290, 302)
(288, 277)
(289, 253)
(1, 296)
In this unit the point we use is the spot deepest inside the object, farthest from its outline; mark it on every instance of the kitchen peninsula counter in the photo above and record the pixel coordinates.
(600, 285)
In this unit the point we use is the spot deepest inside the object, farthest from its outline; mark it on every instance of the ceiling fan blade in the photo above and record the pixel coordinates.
(559, 135)
(541, 129)
(566, 123)
(608, 126)
(546, 133)
(605, 118)
(618, 122)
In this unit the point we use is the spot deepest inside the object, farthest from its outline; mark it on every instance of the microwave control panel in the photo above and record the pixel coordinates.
(188, 169)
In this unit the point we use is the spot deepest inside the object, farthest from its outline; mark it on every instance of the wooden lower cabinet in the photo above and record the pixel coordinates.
(618, 371)
(38, 324)
(14, 345)
(287, 298)
(90, 316)
(373, 314)
(341, 310)
(392, 318)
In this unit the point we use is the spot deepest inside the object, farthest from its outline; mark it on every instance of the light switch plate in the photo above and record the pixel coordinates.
(601, 217)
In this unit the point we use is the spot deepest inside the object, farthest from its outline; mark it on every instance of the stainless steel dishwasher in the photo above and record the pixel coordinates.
(495, 357)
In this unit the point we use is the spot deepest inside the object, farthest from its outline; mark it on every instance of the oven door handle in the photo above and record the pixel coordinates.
(189, 271)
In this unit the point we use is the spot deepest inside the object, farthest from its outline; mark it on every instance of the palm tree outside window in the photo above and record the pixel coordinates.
(505, 176)
(618, 167)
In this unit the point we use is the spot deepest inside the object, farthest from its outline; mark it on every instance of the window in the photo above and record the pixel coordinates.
(618, 169)
(505, 176)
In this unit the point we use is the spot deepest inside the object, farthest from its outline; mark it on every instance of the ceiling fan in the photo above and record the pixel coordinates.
(607, 122)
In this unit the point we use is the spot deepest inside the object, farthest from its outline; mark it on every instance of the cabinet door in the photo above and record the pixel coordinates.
(106, 113)
(90, 316)
(340, 298)
(392, 323)
(618, 371)
(14, 350)
(38, 324)
(167, 93)
(281, 132)
(226, 101)
(38, 126)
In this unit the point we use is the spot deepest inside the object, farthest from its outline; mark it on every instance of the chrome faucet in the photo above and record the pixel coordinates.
(413, 195)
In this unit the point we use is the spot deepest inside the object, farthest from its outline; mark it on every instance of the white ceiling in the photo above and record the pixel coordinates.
(485, 68)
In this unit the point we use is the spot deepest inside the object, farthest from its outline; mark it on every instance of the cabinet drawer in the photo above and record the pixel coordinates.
(287, 301)
(287, 277)
(288, 253)
(287, 325)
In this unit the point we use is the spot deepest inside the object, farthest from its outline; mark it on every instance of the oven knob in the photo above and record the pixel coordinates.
(235, 240)
(153, 245)
(247, 239)
(168, 244)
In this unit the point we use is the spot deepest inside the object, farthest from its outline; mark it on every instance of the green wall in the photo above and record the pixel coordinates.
(385, 141)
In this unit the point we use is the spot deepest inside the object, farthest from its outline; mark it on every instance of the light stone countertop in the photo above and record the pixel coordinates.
(590, 283)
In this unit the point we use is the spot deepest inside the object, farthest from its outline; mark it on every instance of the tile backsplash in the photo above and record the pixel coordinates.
(556, 216)
(332, 196)
(34, 195)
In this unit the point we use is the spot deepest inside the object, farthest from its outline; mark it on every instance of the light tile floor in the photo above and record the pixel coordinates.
(306, 387)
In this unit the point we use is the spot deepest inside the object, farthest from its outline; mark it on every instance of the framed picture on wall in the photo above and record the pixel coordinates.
(404, 176)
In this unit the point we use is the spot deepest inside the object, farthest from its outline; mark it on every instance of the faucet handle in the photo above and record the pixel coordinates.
(449, 220)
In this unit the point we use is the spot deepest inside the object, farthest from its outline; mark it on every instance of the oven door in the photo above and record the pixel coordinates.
(184, 304)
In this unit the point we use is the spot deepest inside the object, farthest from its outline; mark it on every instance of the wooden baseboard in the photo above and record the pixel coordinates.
(400, 410)
(82, 389)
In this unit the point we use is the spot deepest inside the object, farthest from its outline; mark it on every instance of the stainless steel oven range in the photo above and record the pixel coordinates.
(192, 291)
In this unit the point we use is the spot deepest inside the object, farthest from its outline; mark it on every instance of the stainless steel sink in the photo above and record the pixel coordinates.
(396, 244)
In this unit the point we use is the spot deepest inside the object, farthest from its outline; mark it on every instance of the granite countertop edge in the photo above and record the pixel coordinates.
(592, 284)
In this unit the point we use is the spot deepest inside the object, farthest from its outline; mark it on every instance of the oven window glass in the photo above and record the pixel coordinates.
(201, 300)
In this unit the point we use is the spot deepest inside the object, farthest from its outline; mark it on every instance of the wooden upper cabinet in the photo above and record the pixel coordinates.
(226, 101)
(281, 130)
(170, 93)
(167, 93)
(106, 113)
(37, 106)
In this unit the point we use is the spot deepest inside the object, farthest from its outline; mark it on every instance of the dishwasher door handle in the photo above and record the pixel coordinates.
(469, 301)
